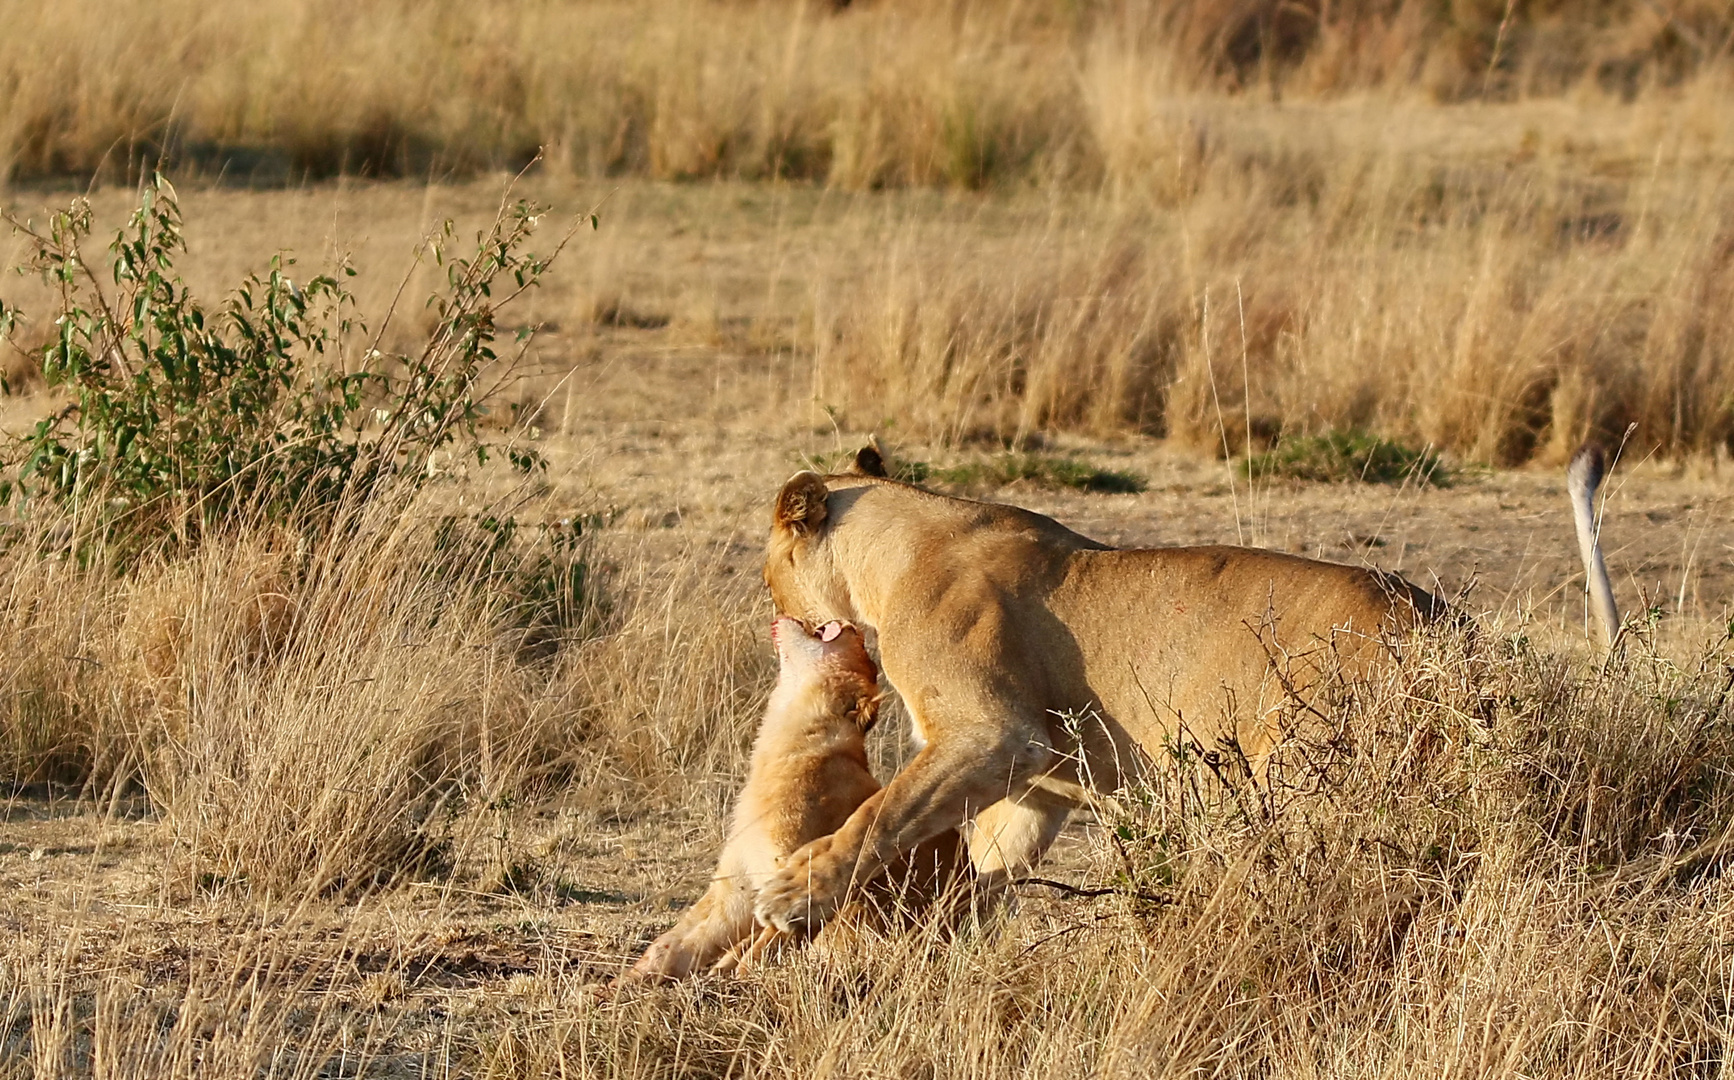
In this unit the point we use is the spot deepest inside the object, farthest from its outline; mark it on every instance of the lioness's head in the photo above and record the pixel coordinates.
(828, 667)
(799, 569)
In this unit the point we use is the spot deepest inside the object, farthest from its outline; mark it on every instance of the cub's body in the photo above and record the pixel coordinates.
(808, 774)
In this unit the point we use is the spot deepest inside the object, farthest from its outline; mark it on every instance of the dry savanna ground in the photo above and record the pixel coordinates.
(395, 796)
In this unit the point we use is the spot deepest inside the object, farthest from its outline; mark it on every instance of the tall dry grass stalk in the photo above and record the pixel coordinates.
(887, 92)
(674, 683)
(380, 667)
(1061, 331)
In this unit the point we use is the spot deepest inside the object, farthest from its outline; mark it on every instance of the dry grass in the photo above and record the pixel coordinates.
(1500, 300)
(1160, 253)
(385, 805)
(671, 684)
(885, 92)
(427, 689)
(1497, 862)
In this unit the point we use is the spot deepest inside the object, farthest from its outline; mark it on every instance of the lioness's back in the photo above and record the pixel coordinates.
(1217, 635)
(1247, 579)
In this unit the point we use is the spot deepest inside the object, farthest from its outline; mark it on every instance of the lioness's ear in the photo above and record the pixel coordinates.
(801, 503)
(869, 462)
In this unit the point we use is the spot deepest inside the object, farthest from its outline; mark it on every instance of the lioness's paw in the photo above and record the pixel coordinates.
(788, 906)
(796, 900)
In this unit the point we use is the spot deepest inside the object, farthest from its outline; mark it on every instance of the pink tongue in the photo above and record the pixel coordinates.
(831, 631)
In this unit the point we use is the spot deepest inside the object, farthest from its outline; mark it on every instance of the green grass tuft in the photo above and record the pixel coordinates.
(1001, 470)
(1042, 470)
(831, 462)
(1346, 457)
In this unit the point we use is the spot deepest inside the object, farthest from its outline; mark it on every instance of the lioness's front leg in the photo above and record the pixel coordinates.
(942, 788)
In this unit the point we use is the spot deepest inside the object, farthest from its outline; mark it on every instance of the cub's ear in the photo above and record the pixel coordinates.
(869, 462)
(865, 712)
(801, 503)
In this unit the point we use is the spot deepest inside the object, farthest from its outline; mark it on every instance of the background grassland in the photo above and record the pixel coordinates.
(1490, 228)
(882, 92)
(310, 806)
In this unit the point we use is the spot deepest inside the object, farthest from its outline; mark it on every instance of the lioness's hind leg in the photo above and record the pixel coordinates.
(1009, 838)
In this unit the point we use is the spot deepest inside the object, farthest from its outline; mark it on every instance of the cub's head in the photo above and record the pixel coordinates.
(832, 663)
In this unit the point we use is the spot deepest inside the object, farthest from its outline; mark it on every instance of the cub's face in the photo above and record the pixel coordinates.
(799, 570)
(832, 663)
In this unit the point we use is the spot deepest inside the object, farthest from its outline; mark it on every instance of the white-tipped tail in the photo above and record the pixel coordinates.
(1582, 477)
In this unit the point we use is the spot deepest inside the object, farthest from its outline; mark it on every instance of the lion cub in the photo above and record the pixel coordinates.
(808, 774)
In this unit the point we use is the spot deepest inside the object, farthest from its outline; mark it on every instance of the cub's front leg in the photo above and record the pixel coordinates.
(721, 920)
(943, 787)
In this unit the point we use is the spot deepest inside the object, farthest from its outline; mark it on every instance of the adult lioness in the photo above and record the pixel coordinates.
(1023, 649)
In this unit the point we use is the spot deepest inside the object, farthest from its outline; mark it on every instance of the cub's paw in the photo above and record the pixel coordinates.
(666, 959)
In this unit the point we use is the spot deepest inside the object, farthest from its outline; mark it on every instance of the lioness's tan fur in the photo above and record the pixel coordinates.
(1023, 649)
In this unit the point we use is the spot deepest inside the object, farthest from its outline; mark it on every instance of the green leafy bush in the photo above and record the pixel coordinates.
(184, 420)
